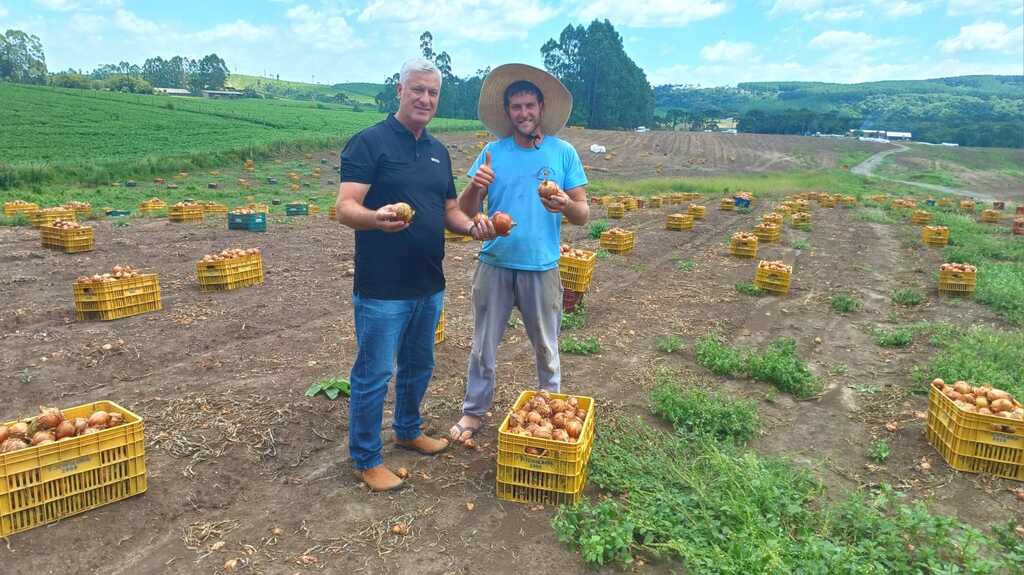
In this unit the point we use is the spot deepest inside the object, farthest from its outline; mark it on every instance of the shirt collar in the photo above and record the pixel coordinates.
(401, 129)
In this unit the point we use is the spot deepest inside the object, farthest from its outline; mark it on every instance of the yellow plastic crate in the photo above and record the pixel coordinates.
(848, 201)
(616, 211)
(47, 483)
(618, 243)
(935, 235)
(953, 282)
(774, 281)
(743, 248)
(967, 206)
(258, 208)
(826, 201)
(630, 204)
(314, 209)
(333, 214)
(990, 216)
(801, 220)
(772, 218)
(536, 495)
(12, 209)
(439, 330)
(547, 455)
(70, 241)
(230, 274)
(696, 211)
(214, 209)
(767, 233)
(679, 222)
(973, 442)
(118, 299)
(921, 217)
(654, 202)
(452, 236)
(576, 273)
(47, 216)
(186, 214)
(727, 204)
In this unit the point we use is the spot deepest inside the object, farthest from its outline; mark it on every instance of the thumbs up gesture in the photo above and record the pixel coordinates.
(484, 175)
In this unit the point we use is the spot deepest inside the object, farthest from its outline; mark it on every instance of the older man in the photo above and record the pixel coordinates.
(524, 107)
(398, 289)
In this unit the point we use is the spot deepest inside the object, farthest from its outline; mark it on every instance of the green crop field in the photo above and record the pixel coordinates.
(61, 135)
(357, 91)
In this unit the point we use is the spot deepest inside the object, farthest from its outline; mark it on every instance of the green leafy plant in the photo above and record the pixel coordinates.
(669, 343)
(575, 319)
(701, 411)
(801, 244)
(331, 387)
(907, 297)
(844, 303)
(598, 227)
(597, 531)
(602, 254)
(897, 337)
(880, 450)
(749, 288)
(684, 265)
(579, 346)
(778, 364)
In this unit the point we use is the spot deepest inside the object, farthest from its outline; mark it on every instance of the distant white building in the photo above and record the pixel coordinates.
(898, 136)
(172, 91)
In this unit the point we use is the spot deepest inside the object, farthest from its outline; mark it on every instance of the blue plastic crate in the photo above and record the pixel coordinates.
(118, 213)
(248, 222)
(930, 202)
(742, 202)
(296, 210)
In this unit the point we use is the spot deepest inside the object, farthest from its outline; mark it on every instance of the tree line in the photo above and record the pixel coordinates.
(609, 90)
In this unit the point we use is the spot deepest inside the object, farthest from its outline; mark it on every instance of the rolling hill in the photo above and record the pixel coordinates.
(361, 92)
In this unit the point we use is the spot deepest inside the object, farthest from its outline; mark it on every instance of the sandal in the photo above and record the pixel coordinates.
(464, 429)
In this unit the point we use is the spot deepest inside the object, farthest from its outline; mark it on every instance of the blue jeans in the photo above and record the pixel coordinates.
(388, 331)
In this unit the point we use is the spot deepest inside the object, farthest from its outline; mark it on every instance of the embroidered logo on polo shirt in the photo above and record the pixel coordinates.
(435, 160)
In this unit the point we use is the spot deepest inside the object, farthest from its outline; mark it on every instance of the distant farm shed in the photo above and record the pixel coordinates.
(172, 91)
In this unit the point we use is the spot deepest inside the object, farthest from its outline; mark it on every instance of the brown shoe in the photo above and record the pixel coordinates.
(379, 478)
(423, 445)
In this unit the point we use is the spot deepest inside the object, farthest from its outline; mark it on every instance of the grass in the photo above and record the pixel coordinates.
(778, 364)
(669, 343)
(801, 244)
(598, 227)
(602, 254)
(685, 265)
(749, 288)
(579, 346)
(17, 220)
(896, 337)
(95, 137)
(875, 216)
(844, 303)
(980, 355)
(700, 504)
(880, 451)
(701, 411)
(907, 297)
(575, 319)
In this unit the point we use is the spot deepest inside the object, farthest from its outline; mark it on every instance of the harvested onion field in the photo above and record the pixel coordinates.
(247, 474)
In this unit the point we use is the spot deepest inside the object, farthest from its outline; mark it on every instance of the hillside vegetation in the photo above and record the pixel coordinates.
(57, 135)
(361, 92)
(968, 110)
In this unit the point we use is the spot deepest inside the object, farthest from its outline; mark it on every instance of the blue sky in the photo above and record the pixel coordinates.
(703, 42)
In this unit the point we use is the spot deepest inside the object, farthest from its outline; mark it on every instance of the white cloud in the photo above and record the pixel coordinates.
(652, 13)
(849, 41)
(87, 23)
(973, 7)
(783, 6)
(3, 11)
(327, 30)
(984, 36)
(725, 51)
(237, 30)
(477, 20)
(730, 74)
(899, 8)
(834, 14)
(129, 22)
(58, 5)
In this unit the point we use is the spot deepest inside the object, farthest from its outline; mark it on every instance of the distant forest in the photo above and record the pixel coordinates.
(967, 110)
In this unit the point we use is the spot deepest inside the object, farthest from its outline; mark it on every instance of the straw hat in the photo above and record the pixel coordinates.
(557, 99)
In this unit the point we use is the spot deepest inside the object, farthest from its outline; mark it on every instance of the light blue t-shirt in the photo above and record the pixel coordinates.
(534, 243)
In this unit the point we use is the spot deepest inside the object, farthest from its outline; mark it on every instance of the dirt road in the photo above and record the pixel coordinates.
(868, 166)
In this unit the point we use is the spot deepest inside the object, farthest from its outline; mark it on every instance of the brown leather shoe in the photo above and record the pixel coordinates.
(424, 445)
(379, 478)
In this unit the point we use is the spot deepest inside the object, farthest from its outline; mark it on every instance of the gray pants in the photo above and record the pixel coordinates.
(538, 296)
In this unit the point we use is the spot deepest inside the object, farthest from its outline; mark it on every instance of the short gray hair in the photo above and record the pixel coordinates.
(416, 66)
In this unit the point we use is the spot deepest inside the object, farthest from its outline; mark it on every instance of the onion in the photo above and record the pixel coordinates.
(1001, 405)
(542, 432)
(12, 444)
(573, 402)
(115, 420)
(984, 411)
(981, 401)
(99, 419)
(544, 410)
(18, 430)
(545, 394)
(937, 382)
(64, 430)
(558, 405)
(45, 442)
(962, 387)
(48, 418)
(560, 435)
(3, 433)
(91, 430)
(81, 424)
(534, 418)
(995, 394)
(574, 428)
(41, 436)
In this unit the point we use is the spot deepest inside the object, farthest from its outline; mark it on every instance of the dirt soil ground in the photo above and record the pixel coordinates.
(649, 154)
(234, 448)
(998, 173)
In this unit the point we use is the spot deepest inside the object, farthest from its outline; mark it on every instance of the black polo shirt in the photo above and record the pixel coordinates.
(400, 168)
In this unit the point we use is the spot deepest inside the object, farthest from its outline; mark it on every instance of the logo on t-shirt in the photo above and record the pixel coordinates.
(545, 173)
(435, 160)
